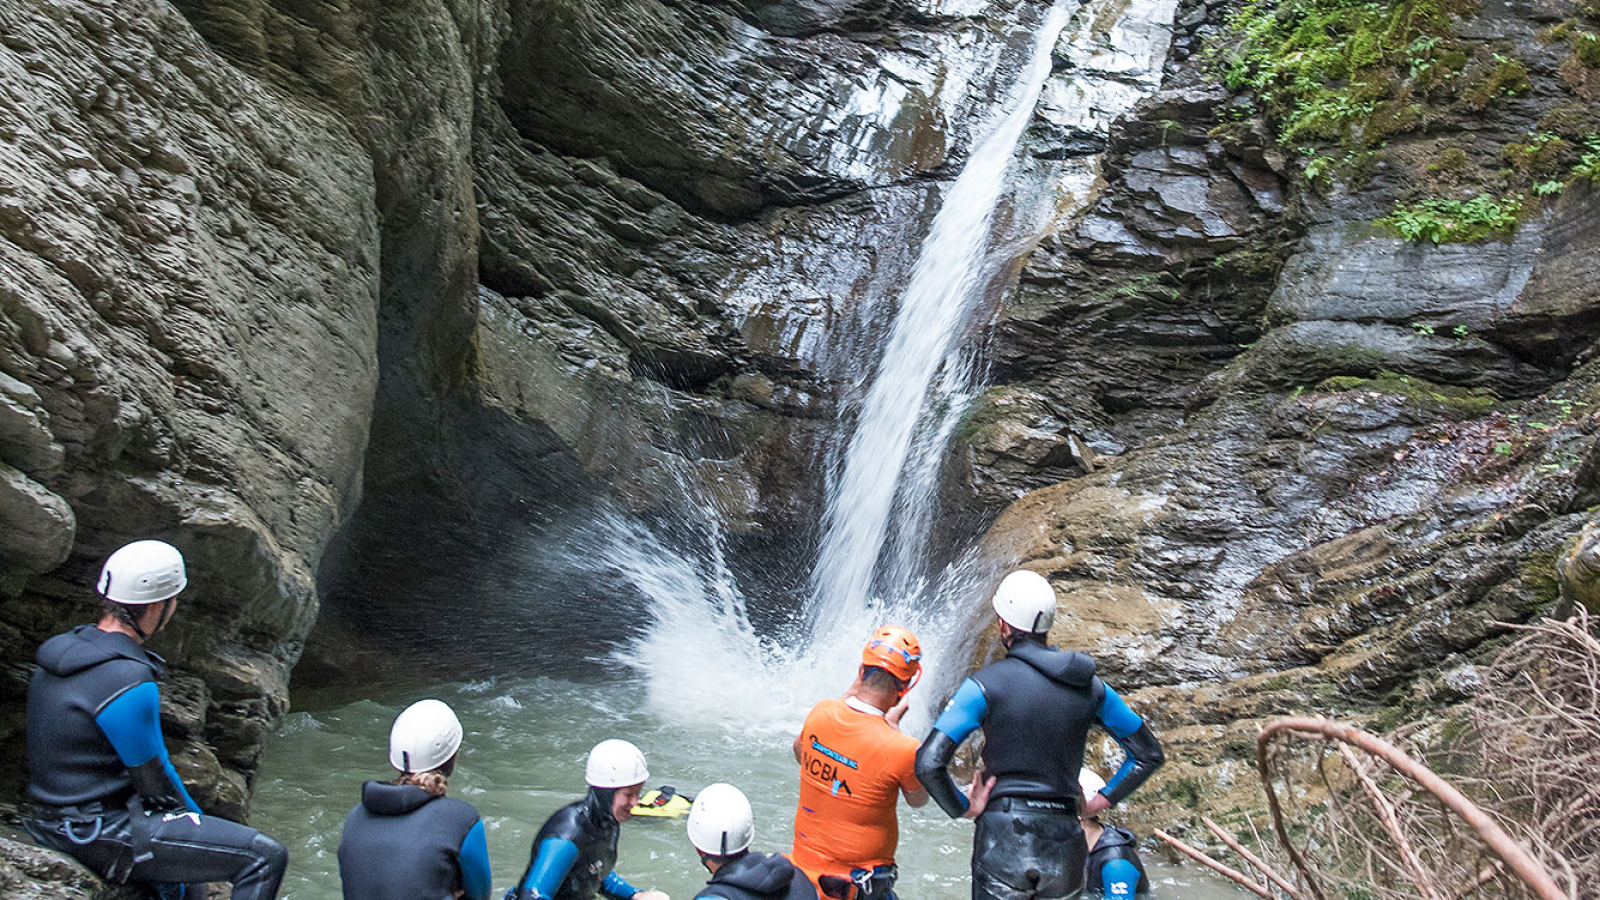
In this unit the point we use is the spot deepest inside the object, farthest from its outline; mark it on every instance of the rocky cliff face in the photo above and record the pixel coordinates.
(1276, 459)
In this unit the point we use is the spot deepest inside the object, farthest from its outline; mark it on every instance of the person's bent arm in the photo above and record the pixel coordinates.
(131, 721)
(617, 886)
(1118, 878)
(1138, 742)
(552, 860)
(961, 717)
(474, 861)
(915, 799)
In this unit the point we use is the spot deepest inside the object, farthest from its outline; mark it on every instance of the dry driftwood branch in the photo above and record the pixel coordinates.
(1494, 837)
(1254, 860)
(1391, 823)
(1226, 871)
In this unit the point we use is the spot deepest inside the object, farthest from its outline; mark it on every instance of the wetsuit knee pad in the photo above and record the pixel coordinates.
(272, 853)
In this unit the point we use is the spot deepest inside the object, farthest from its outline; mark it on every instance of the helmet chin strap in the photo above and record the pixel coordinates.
(168, 606)
(131, 620)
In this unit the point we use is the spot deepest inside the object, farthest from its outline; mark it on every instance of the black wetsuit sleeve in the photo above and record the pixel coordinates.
(933, 770)
(1137, 740)
(963, 715)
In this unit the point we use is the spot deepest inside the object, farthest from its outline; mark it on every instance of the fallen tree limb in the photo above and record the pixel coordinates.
(1494, 837)
(1226, 871)
(1254, 860)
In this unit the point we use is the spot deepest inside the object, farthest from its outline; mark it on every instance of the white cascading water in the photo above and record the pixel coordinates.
(894, 427)
(702, 644)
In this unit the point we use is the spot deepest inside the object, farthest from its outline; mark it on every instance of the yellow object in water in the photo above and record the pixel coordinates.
(662, 803)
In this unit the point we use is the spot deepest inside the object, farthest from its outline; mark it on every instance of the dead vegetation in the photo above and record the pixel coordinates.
(1502, 802)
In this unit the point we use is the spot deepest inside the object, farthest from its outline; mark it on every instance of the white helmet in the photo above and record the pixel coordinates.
(720, 823)
(1090, 782)
(424, 737)
(615, 763)
(143, 572)
(1025, 601)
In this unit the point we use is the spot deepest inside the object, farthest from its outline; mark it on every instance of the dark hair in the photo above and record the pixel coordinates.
(881, 679)
(1017, 634)
(128, 615)
(721, 860)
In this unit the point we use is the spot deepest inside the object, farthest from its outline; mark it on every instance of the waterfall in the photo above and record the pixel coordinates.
(891, 462)
(873, 566)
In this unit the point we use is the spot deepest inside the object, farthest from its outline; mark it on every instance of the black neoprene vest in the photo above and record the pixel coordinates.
(401, 844)
(1114, 843)
(759, 876)
(1036, 723)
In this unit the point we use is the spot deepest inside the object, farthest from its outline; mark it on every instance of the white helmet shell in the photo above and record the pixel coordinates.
(615, 763)
(720, 822)
(424, 736)
(1090, 782)
(1025, 601)
(143, 572)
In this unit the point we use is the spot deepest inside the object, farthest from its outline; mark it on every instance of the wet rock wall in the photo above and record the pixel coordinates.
(1276, 459)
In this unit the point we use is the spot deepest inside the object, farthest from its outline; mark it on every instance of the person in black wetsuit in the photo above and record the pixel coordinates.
(1034, 707)
(574, 853)
(102, 787)
(406, 840)
(721, 829)
(1114, 868)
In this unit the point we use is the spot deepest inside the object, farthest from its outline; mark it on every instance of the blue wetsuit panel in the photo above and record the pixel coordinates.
(556, 856)
(964, 713)
(1121, 722)
(474, 861)
(962, 716)
(617, 886)
(1119, 878)
(132, 723)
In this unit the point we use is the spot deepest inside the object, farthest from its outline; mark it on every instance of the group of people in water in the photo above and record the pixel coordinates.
(104, 791)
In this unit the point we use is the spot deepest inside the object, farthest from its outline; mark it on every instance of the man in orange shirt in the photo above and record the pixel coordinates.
(854, 765)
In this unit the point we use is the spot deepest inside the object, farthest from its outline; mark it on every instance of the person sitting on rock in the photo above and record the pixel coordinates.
(406, 840)
(102, 787)
(574, 853)
(721, 828)
(1114, 869)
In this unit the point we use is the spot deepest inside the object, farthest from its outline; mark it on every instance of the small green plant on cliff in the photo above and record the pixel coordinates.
(1332, 69)
(1588, 167)
(1441, 221)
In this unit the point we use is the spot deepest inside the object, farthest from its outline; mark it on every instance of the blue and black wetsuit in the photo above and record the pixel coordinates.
(1035, 707)
(102, 787)
(758, 876)
(1115, 869)
(402, 843)
(574, 853)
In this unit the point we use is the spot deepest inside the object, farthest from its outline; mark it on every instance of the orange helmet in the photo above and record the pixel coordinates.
(896, 651)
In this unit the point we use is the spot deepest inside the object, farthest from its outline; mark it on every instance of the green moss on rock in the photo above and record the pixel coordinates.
(1443, 401)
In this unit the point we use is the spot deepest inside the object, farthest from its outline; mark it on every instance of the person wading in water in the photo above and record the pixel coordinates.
(854, 766)
(406, 840)
(1034, 707)
(721, 828)
(574, 853)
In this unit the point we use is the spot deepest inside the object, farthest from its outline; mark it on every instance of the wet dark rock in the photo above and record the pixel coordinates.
(1342, 460)
(30, 872)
